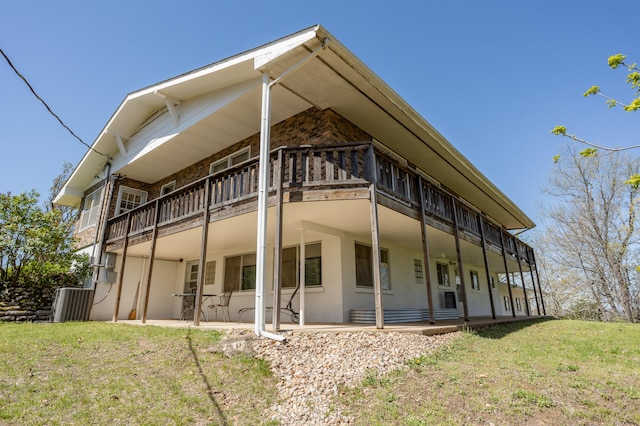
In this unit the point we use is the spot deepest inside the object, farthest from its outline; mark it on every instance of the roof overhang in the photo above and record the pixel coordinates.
(334, 79)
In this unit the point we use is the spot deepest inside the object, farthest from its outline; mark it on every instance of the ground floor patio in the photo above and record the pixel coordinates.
(423, 328)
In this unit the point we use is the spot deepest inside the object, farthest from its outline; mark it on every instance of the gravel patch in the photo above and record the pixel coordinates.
(311, 366)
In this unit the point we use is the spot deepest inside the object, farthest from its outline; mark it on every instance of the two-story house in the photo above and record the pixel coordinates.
(293, 172)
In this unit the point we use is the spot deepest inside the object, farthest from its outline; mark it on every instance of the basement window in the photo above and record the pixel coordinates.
(417, 271)
(364, 267)
(240, 272)
(442, 270)
(507, 304)
(312, 266)
(475, 281)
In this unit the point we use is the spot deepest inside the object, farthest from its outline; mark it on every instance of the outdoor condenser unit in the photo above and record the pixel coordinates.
(72, 304)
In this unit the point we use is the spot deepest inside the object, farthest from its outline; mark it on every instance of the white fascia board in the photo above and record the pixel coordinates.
(275, 50)
(69, 196)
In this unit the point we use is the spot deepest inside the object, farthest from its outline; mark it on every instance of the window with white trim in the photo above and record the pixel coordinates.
(442, 270)
(312, 266)
(191, 279)
(417, 271)
(230, 160)
(518, 304)
(364, 267)
(507, 304)
(167, 188)
(129, 199)
(210, 273)
(240, 272)
(90, 209)
(475, 281)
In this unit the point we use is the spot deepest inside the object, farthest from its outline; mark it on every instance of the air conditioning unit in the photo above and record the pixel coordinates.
(72, 304)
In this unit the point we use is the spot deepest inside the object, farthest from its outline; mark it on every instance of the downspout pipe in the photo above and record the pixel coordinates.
(263, 191)
(103, 217)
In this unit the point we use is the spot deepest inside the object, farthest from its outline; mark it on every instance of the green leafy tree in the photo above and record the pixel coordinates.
(633, 79)
(35, 244)
(68, 215)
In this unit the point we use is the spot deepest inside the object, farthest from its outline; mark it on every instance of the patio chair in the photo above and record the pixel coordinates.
(288, 309)
(223, 305)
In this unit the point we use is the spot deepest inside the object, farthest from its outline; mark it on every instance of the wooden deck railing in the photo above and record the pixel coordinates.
(317, 166)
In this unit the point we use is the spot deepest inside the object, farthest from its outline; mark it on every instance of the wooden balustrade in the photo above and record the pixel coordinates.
(396, 179)
(467, 219)
(348, 164)
(492, 233)
(328, 165)
(438, 203)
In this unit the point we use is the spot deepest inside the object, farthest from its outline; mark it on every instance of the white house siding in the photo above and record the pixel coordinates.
(161, 303)
(478, 301)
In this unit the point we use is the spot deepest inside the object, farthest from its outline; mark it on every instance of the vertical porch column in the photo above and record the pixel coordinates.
(116, 310)
(486, 265)
(375, 240)
(202, 266)
(303, 277)
(524, 289)
(263, 197)
(506, 272)
(533, 281)
(425, 251)
(152, 253)
(533, 256)
(459, 254)
(277, 259)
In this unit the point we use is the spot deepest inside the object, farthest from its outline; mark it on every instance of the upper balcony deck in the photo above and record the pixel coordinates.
(306, 169)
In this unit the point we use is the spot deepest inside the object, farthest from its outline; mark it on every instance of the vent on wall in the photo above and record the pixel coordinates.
(72, 304)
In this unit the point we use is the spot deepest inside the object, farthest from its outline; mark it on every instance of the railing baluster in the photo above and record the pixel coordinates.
(317, 167)
(342, 172)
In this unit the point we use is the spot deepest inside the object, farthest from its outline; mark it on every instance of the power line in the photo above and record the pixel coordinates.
(47, 106)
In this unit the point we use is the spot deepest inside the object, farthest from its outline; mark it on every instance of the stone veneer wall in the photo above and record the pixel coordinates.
(310, 127)
(26, 303)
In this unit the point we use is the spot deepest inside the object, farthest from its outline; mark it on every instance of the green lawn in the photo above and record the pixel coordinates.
(538, 372)
(545, 372)
(115, 374)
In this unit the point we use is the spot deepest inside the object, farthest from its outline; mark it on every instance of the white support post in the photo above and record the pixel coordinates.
(303, 256)
(263, 190)
(263, 196)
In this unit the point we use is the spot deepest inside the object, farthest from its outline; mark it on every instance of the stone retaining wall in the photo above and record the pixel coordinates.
(27, 303)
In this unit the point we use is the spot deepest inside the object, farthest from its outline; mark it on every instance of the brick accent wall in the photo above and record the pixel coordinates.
(310, 127)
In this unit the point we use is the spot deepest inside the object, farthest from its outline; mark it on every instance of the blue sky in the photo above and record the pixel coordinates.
(494, 77)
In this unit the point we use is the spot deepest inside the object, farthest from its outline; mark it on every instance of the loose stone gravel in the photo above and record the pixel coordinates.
(311, 366)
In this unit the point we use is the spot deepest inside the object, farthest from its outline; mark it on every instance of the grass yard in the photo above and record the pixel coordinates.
(544, 372)
(537, 372)
(115, 374)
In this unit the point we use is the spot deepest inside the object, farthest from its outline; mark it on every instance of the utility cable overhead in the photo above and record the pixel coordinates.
(47, 106)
